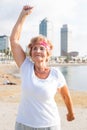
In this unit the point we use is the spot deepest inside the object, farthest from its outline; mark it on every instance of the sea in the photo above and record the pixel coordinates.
(76, 77)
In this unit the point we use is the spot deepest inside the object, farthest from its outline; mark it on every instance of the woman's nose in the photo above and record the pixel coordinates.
(38, 50)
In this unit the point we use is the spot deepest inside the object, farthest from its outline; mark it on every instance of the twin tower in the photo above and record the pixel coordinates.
(46, 29)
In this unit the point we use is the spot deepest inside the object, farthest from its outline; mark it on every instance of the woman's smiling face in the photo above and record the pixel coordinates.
(41, 47)
(39, 53)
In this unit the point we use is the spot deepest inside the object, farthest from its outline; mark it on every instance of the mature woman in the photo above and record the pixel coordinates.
(37, 109)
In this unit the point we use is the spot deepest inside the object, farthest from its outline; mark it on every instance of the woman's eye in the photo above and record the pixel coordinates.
(35, 48)
(42, 48)
(38, 48)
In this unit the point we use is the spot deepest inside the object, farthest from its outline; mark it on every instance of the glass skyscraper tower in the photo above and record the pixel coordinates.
(43, 27)
(66, 40)
(46, 28)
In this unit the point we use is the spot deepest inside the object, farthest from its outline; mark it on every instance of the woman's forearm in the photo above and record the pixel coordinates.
(67, 100)
(17, 29)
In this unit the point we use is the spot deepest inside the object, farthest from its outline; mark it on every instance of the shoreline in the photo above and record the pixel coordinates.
(67, 64)
(50, 63)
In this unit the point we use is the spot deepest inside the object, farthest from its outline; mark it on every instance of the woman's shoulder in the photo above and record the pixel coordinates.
(27, 62)
(55, 69)
(57, 72)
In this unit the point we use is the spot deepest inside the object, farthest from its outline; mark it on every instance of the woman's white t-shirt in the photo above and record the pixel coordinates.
(37, 106)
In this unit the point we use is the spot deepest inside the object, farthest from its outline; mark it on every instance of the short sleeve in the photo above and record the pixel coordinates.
(60, 78)
(25, 66)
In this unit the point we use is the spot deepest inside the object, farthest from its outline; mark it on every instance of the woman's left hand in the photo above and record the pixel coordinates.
(70, 117)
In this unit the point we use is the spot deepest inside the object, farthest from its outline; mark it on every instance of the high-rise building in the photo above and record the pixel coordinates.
(4, 42)
(46, 28)
(66, 40)
(43, 27)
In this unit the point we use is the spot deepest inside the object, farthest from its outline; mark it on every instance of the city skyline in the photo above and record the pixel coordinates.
(58, 13)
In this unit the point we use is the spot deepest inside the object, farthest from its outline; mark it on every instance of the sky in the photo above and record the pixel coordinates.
(71, 12)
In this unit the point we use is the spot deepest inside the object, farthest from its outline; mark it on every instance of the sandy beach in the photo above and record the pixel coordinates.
(10, 97)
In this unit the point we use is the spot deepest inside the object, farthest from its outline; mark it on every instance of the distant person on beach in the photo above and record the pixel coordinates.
(7, 81)
(38, 109)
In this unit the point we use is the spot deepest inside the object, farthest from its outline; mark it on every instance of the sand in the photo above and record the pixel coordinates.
(10, 97)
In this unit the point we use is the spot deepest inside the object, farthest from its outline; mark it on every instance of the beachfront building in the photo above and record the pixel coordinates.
(4, 43)
(5, 49)
(66, 40)
(46, 28)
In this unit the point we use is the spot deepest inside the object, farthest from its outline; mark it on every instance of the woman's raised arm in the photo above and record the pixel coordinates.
(18, 53)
